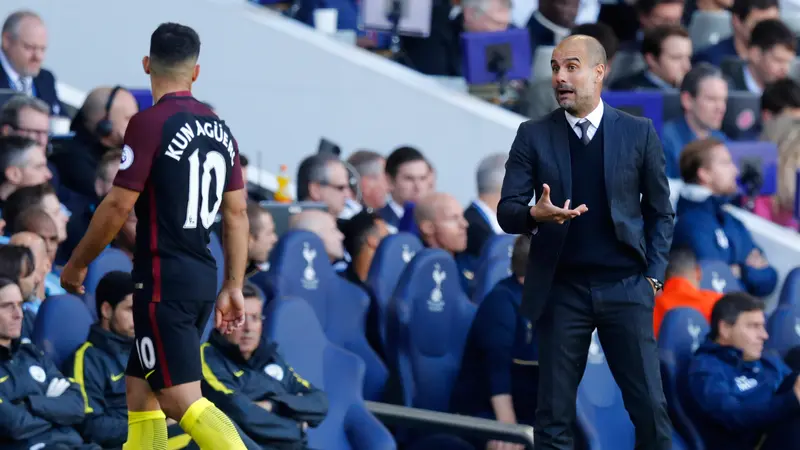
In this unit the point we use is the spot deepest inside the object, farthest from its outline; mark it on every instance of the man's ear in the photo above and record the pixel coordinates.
(106, 311)
(426, 227)
(195, 72)
(146, 64)
(13, 175)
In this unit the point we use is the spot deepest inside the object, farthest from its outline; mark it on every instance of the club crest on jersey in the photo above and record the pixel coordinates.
(275, 371)
(127, 158)
(37, 373)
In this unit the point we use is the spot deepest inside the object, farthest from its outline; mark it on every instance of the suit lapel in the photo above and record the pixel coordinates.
(612, 145)
(559, 146)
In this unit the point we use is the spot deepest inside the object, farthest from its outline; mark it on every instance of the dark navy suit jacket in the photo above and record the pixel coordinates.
(633, 165)
(44, 86)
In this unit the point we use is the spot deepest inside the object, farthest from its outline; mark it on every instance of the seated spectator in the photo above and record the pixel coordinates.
(24, 43)
(709, 230)
(667, 51)
(17, 264)
(323, 178)
(28, 117)
(745, 15)
(781, 98)
(39, 407)
(409, 176)
(371, 169)
(248, 379)
(481, 215)
(682, 288)
(41, 196)
(99, 126)
(22, 163)
(41, 266)
(499, 371)
(37, 221)
(704, 97)
(770, 54)
(98, 366)
(441, 223)
(784, 131)
(551, 22)
(262, 238)
(741, 394)
(323, 225)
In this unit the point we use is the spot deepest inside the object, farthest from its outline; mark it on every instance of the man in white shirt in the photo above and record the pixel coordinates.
(481, 215)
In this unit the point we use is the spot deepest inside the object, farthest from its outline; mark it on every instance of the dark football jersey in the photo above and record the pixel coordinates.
(181, 157)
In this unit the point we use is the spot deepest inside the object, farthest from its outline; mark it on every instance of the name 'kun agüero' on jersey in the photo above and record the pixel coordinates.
(185, 135)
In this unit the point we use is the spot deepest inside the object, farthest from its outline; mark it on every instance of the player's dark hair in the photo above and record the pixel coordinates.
(782, 94)
(519, 255)
(29, 220)
(357, 229)
(313, 169)
(16, 262)
(694, 156)
(173, 44)
(13, 152)
(742, 8)
(603, 33)
(771, 33)
(681, 260)
(112, 289)
(645, 7)
(254, 212)
(729, 307)
(653, 42)
(24, 198)
(700, 71)
(400, 156)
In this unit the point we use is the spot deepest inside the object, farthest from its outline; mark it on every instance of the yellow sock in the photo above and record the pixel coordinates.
(147, 430)
(210, 428)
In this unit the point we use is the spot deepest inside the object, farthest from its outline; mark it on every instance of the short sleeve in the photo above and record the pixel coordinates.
(141, 143)
(236, 181)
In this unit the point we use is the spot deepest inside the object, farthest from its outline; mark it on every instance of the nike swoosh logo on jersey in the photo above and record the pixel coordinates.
(117, 377)
(238, 374)
(2, 380)
(148, 374)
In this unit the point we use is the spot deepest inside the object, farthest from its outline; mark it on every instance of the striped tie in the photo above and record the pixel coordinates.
(25, 86)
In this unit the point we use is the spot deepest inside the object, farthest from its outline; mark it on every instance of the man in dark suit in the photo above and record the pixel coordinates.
(771, 51)
(23, 47)
(600, 264)
(481, 215)
(667, 51)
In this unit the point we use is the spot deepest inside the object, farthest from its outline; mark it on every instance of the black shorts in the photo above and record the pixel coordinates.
(166, 350)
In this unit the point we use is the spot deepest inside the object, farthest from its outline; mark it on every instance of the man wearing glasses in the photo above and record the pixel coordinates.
(26, 116)
(323, 178)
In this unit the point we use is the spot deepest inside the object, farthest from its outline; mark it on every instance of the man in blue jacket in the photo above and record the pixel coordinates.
(744, 399)
(38, 405)
(708, 229)
(248, 379)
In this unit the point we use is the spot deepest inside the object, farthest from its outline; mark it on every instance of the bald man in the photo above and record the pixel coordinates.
(601, 230)
(99, 127)
(41, 265)
(322, 224)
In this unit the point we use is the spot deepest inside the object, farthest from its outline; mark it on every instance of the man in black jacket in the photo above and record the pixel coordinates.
(248, 380)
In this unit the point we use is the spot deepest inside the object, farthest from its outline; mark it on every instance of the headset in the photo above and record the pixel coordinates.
(105, 127)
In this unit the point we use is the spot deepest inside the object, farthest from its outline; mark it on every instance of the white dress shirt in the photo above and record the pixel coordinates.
(16, 82)
(751, 83)
(491, 216)
(594, 119)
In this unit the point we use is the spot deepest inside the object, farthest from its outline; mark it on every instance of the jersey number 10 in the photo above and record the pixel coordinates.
(200, 188)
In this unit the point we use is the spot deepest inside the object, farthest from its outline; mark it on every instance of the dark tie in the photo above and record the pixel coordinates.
(584, 126)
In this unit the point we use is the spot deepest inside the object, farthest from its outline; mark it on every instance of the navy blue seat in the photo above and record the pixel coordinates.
(790, 292)
(62, 325)
(717, 276)
(602, 417)
(783, 328)
(488, 275)
(682, 331)
(109, 260)
(497, 246)
(292, 323)
(391, 257)
(429, 318)
(299, 267)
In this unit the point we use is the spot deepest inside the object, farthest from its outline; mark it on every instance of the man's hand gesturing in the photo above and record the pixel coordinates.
(545, 211)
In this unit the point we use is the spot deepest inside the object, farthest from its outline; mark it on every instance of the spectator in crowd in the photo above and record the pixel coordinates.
(324, 226)
(371, 168)
(24, 43)
(780, 98)
(541, 100)
(98, 366)
(440, 53)
(99, 126)
(740, 394)
(667, 51)
(262, 237)
(40, 406)
(745, 15)
(40, 196)
(41, 267)
(248, 379)
(481, 215)
(769, 57)
(37, 221)
(441, 223)
(26, 116)
(682, 288)
(409, 180)
(552, 22)
(704, 226)
(255, 193)
(780, 208)
(17, 263)
(323, 178)
(499, 372)
(704, 96)
(23, 164)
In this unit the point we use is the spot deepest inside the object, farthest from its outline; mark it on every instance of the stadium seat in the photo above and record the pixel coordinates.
(602, 417)
(648, 104)
(393, 254)
(497, 246)
(717, 276)
(429, 318)
(790, 292)
(682, 331)
(62, 325)
(144, 98)
(783, 328)
(706, 28)
(763, 155)
(488, 275)
(215, 247)
(110, 259)
(292, 323)
(299, 267)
